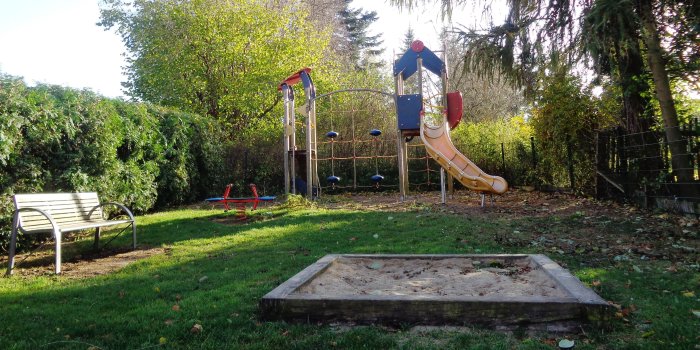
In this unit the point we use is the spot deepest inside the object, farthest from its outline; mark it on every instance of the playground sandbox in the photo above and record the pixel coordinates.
(502, 291)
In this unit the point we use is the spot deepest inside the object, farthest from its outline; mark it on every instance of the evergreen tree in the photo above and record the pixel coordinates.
(408, 38)
(360, 47)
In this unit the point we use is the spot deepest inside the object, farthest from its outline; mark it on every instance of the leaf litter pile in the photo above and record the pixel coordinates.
(559, 224)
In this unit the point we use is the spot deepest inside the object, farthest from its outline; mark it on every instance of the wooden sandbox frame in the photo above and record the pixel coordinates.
(581, 305)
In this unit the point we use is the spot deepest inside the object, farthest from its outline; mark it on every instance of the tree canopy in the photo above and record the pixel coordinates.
(539, 34)
(216, 57)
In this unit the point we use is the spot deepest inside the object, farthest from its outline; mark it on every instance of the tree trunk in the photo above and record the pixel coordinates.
(638, 117)
(680, 159)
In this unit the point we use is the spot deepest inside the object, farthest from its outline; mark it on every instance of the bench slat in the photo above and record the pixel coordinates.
(58, 206)
(58, 200)
(77, 226)
(62, 212)
(28, 225)
(38, 197)
(65, 208)
(85, 205)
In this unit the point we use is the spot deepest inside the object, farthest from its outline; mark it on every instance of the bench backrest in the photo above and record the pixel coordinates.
(64, 208)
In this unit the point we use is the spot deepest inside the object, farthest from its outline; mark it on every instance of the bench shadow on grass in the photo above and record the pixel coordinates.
(215, 274)
(77, 247)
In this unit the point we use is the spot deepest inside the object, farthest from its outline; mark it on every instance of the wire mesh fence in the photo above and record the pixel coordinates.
(643, 167)
(640, 167)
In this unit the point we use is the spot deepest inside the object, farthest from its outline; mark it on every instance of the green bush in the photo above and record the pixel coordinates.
(55, 139)
(499, 147)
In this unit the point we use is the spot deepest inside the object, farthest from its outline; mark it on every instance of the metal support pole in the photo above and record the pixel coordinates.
(354, 154)
(404, 146)
(285, 137)
(400, 148)
(310, 145)
(292, 141)
(446, 125)
(443, 191)
(402, 166)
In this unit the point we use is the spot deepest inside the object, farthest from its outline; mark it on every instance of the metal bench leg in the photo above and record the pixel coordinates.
(96, 245)
(57, 237)
(13, 244)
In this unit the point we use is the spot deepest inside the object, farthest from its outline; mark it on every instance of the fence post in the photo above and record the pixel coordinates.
(503, 157)
(570, 158)
(534, 153)
(597, 163)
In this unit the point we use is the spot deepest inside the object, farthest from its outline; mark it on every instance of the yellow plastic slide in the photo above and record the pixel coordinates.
(439, 145)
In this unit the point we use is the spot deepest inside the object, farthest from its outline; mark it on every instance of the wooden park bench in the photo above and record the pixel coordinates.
(60, 213)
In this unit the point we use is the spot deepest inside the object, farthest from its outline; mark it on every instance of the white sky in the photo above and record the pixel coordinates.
(425, 20)
(58, 42)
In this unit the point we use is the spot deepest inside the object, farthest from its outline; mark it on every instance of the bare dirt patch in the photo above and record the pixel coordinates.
(557, 223)
(451, 277)
(82, 266)
(515, 203)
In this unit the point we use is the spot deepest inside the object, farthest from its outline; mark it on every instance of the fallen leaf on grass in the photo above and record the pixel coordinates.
(648, 334)
(688, 293)
(196, 329)
(596, 283)
(168, 322)
(550, 342)
(285, 333)
(162, 340)
(627, 311)
(176, 307)
(696, 312)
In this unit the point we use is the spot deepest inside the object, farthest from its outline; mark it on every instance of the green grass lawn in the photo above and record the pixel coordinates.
(213, 275)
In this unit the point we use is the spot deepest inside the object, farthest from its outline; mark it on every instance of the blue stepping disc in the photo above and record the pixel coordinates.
(377, 178)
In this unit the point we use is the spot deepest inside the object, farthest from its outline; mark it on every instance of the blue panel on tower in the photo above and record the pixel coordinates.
(409, 109)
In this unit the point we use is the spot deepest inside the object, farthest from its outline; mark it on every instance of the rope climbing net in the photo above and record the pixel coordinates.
(357, 144)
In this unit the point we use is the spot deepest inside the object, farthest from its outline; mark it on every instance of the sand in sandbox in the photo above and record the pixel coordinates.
(449, 277)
